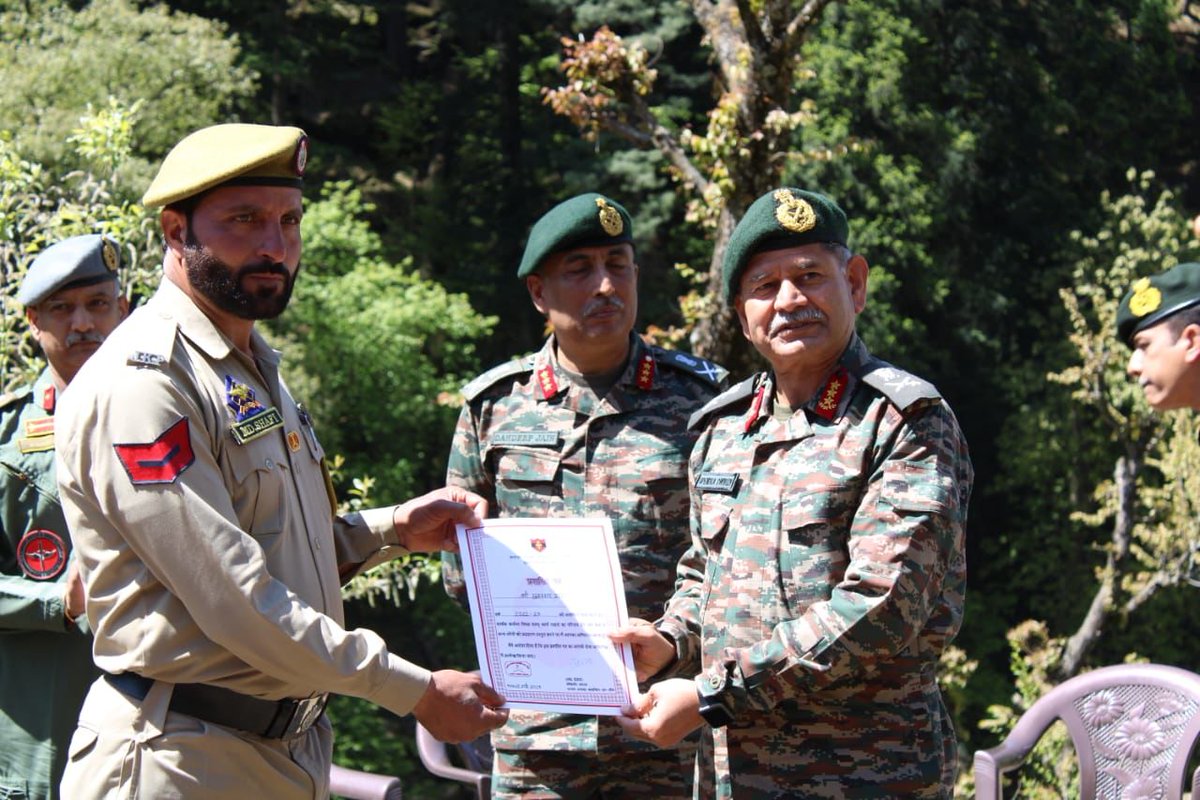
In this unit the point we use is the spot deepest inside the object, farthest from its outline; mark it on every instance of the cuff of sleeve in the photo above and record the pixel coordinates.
(380, 521)
(686, 661)
(403, 686)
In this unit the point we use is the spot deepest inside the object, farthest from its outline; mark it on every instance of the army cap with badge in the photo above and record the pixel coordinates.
(586, 220)
(233, 154)
(778, 220)
(70, 264)
(1151, 300)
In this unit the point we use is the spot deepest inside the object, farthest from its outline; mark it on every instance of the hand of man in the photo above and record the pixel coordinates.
(458, 706)
(666, 713)
(73, 597)
(652, 651)
(426, 523)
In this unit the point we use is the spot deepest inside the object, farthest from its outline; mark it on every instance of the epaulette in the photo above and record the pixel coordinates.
(707, 371)
(10, 398)
(903, 389)
(497, 373)
(728, 397)
(154, 348)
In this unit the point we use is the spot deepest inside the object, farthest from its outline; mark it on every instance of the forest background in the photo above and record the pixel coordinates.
(1008, 167)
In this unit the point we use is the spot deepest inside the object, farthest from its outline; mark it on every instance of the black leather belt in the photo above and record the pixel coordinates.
(270, 719)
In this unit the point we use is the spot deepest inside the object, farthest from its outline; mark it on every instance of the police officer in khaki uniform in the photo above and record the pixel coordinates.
(72, 302)
(194, 487)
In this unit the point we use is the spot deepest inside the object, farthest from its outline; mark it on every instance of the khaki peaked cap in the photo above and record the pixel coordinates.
(230, 154)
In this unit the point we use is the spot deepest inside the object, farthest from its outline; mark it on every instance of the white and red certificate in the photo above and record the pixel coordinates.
(544, 595)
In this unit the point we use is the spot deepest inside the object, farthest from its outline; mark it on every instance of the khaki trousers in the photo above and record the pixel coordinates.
(125, 749)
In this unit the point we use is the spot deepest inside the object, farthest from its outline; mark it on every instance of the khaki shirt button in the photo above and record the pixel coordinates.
(714, 681)
(316, 542)
(270, 464)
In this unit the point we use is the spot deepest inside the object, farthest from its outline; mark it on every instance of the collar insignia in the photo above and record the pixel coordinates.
(1146, 298)
(752, 417)
(546, 382)
(794, 213)
(48, 399)
(645, 372)
(830, 396)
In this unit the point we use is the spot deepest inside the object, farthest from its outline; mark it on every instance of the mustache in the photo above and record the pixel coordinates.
(601, 303)
(75, 337)
(785, 318)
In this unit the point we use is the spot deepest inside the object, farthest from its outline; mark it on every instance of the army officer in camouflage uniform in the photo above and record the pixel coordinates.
(204, 521)
(72, 302)
(591, 425)
(827, 568)
(1159, 319)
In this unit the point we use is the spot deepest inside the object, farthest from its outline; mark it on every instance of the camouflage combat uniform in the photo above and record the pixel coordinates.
(826, 575)
(45, 662)
(536, 444)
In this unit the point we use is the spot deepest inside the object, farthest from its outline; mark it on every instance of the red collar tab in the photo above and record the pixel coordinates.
(48, 398)
(645, 371)
(752, 417)
(831, 395)
(546, 381)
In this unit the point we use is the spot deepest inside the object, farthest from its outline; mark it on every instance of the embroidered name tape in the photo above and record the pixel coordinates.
(528, 438)
(719, 482)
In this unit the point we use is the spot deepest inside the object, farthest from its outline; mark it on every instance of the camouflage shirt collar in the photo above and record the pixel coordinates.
(830, 400)
(551, 379)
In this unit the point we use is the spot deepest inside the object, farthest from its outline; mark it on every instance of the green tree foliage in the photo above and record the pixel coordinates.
(379, 352)
(61, 57)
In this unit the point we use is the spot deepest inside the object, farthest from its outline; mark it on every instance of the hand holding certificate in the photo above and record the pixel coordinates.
(544, 594)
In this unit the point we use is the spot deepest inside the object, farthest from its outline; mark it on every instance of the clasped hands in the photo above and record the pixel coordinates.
(670, 709)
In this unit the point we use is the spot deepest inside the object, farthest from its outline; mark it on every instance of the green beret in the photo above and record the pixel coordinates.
(585, 220)
(1151, 300)
(71, 263)
(779, 219)
(225, 155)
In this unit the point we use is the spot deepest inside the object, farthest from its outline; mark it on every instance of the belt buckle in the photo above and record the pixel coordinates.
(305, 715)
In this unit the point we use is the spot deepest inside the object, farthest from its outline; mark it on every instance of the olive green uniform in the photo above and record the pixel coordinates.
(45, 661)
(211, 557)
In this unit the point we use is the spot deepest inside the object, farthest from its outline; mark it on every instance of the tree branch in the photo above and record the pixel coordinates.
(805, 18)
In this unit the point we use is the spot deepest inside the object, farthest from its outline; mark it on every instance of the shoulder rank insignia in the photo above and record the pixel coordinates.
(701, 368)
(734, 394)
(144, 359)
(162, 460)
(42, 554)
(517, 366)
(251, 418)
(831, 394)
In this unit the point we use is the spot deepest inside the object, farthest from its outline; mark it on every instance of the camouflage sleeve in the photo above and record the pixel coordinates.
(905, 551)
(681, 619)
(465, 468)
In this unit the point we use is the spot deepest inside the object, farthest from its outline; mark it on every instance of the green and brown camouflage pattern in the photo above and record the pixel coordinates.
(817, 597)
(623, 456)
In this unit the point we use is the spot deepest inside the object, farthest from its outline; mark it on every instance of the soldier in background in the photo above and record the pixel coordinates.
(591, 425)
(204, 519)
(827, 566)
(1159, 319)
(72, 302)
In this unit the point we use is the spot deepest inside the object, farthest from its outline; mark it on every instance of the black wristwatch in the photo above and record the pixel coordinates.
(714, 711)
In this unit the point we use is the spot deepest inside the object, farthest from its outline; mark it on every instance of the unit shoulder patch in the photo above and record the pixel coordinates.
(903, 389)
(735, 394)
(511, 368)
(709, 372)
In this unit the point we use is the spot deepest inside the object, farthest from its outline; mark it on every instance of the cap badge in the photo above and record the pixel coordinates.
(301, 160)
(108, 251)
(1146, 298)
(794, 213)
(610, 218)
